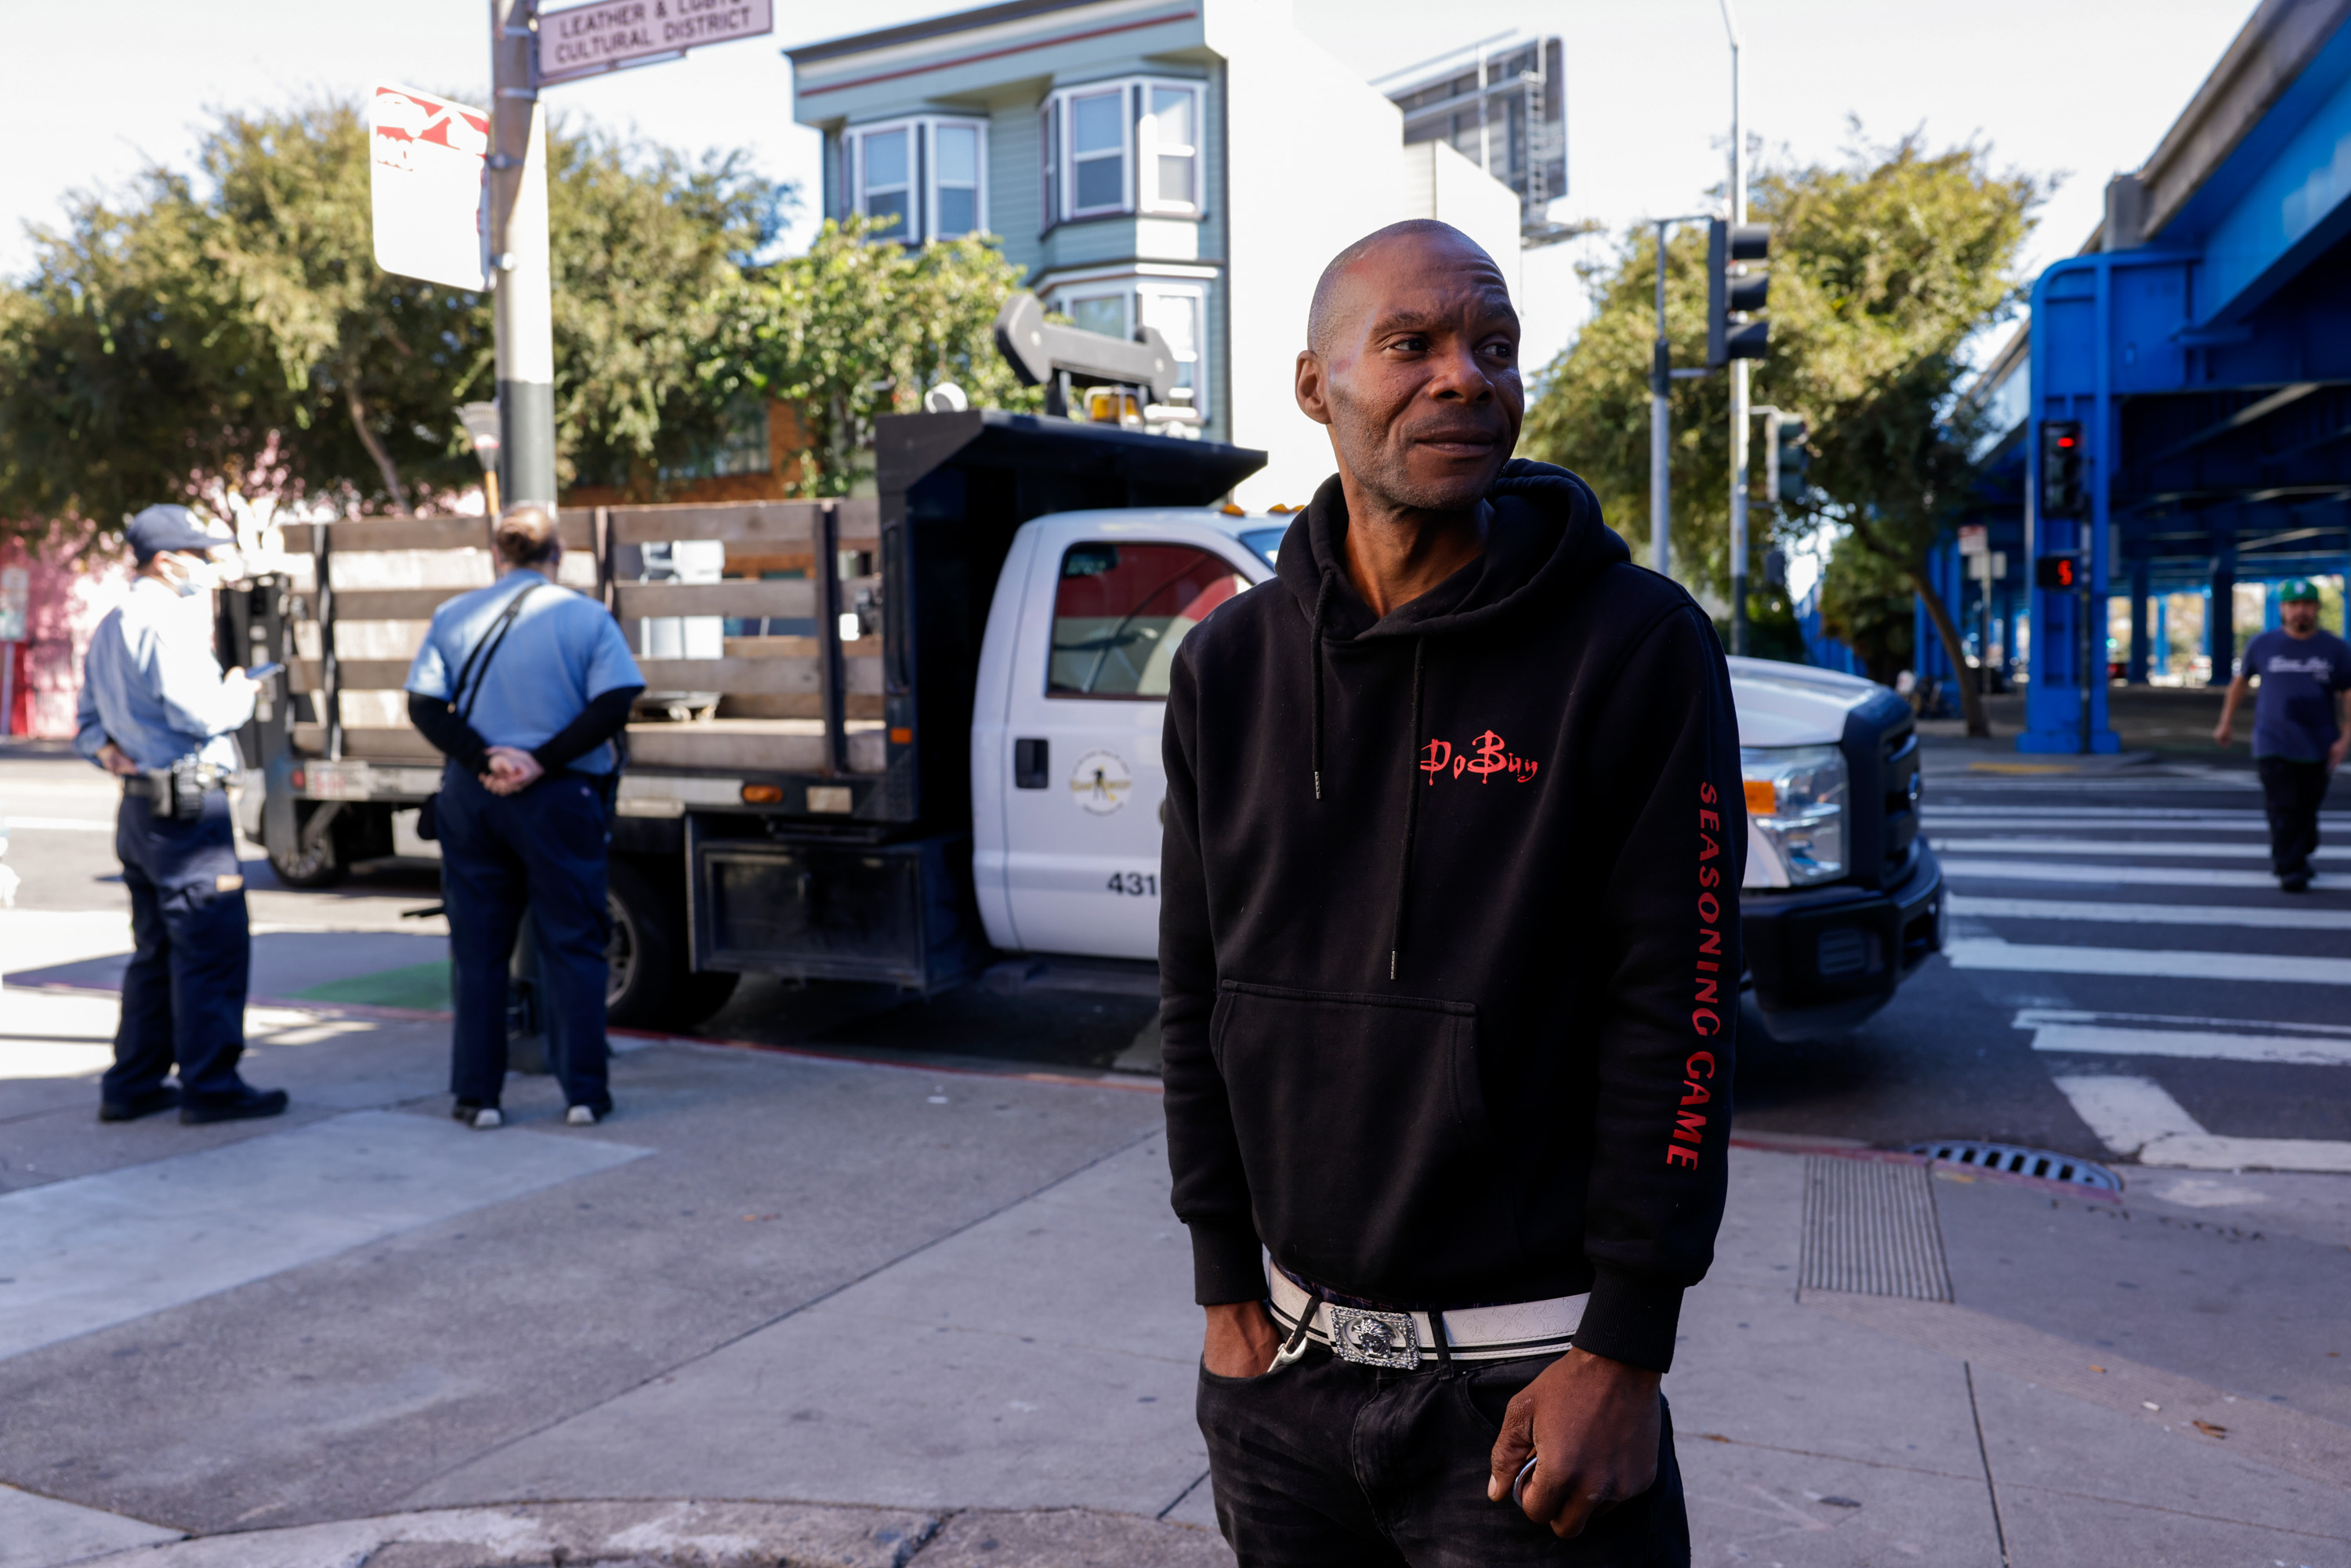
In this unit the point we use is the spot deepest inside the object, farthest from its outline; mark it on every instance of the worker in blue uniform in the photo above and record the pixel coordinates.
(526, 687)
(156, 711)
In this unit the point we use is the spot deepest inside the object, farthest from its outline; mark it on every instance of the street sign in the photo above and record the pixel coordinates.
(588, 40)
(425, 177)
(1974, 539)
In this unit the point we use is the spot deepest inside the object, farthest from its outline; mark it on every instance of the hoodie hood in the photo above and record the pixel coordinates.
(1546, 539)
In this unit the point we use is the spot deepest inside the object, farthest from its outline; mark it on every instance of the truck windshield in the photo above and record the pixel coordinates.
(1120, 609)
(1267, 542)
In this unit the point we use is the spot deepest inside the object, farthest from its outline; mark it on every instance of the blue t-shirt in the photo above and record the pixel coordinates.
(2293, 707)
(562, 650)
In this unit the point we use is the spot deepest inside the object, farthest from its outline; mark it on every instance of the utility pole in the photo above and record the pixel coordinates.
(1661, 445)
(1738, 367)
(521, 274)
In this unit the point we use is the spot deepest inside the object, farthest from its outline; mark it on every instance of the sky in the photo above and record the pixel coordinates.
(2077, 89)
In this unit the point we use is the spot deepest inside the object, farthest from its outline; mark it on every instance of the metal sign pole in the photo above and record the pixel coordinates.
(1661, 449)
(521, 274)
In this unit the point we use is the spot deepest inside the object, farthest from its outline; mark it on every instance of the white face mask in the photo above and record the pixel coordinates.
(196, 575)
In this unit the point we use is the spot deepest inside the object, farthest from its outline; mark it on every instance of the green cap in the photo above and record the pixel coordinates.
(2298, 587)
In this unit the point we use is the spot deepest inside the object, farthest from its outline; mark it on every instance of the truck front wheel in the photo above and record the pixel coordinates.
(650, 984)
(315, 858)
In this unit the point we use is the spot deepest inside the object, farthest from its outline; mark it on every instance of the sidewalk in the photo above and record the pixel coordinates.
(785, 1308)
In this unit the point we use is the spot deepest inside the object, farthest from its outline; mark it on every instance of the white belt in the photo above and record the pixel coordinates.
(1410, 1339)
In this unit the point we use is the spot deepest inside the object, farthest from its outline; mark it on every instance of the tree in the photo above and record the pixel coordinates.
(171, 344)
(1885, 268)
(1866, 604)
(858, 328)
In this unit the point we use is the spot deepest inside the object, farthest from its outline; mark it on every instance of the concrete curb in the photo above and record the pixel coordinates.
(698, 1534)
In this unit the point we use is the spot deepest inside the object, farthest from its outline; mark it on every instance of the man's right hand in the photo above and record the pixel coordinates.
(1242, 1341)
(2221, 732)
(112, 758)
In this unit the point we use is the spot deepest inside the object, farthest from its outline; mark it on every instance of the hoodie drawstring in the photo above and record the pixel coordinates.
(1314, 668)
(1411, 810)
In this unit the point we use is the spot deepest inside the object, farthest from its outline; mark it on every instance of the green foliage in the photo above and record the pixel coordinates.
(1866, 604)
(1884, 267)
(654, 264)
(857, 329)
(231, 330)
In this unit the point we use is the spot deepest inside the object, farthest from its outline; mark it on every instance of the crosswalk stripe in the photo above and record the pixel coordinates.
(2119, 847)
(2051, 958)
(54, 825)
(2138, 1117)
(2124, 818)
(2037, 1017)
(2105, 875)
(2082, 909)
(2008, 822)
(2198, 1045)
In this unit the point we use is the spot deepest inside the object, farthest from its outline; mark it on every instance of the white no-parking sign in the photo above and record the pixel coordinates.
(427, 156)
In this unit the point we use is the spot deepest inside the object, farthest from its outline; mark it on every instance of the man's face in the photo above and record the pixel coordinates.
(2300, 615)
(1419, 380)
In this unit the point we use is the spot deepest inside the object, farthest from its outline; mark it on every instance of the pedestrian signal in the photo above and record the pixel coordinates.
(2058, 573)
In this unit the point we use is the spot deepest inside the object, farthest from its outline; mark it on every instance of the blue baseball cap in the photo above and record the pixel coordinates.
(169, 528)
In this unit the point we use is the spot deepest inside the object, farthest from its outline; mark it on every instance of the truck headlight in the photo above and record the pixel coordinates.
(1795, 814)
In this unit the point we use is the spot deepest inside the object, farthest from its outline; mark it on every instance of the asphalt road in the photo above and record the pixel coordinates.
(2120, 969)
(2119, 966)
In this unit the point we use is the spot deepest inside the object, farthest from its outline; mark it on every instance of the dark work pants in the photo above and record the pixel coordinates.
(184, 994)
(1330, 1464)
(2293, 792)
(543, 850)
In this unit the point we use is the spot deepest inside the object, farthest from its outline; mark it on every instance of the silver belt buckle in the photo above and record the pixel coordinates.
(1375, 1339)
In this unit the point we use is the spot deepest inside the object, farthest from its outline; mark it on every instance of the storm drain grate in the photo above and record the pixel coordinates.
(1870, 1228)
(2014, 1159)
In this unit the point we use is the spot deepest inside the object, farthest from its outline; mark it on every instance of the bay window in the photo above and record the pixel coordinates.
(917, 180)
(1119, 307)
(1130, 146)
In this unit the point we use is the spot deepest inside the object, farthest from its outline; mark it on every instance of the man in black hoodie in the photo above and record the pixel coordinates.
(1450, 960)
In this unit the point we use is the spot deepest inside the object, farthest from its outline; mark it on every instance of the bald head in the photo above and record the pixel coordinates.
(1339, 292)
(1413, 362)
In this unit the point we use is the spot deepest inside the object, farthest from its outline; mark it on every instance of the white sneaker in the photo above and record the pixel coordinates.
(487, 1117)
(578, 1116)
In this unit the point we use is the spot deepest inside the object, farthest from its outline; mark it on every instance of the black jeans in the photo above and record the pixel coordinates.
(2293, 791)
(1330, 1464)
(184, 994)
(542, 852)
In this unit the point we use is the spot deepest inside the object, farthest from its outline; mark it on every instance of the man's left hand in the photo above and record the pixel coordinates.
(113, 758)
(512, 771)
(1595, 1422)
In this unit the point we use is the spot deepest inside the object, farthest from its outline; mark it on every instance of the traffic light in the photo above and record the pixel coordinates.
(2061, 468)
(1789, 461)
(2058, 573)
(1726, 296)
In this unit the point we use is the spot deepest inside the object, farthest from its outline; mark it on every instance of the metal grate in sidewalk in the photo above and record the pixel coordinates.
(1870, 1229)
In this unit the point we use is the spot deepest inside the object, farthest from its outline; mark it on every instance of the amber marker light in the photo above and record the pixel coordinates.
(773, 794)
(1762, 799)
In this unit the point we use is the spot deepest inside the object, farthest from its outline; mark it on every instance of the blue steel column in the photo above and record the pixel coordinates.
(2221, 611)
(2062, 680)
(2137, 673)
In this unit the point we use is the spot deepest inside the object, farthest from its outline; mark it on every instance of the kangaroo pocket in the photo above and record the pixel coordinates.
(1363, 1127)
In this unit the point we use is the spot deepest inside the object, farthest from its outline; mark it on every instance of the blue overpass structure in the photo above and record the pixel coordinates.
(2202, 345)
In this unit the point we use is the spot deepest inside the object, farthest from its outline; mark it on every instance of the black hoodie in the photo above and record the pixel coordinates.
(1449, 944)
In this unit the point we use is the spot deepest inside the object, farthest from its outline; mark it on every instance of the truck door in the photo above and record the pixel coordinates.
(1108, 601)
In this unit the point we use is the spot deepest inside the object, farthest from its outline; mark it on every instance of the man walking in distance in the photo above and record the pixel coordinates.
(524, 687)
(2298, 741)
(157, 712)
(1450, 960)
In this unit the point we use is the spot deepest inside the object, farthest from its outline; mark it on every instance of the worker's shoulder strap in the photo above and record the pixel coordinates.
(485, 649)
